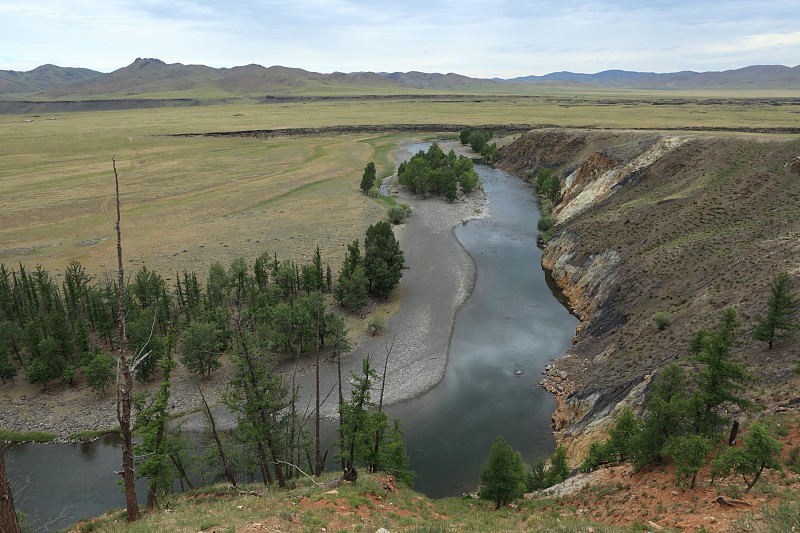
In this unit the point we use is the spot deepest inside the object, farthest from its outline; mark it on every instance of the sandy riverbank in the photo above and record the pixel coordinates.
(438, 280)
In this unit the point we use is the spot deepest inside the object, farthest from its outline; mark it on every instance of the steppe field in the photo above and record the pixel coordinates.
(188, 201)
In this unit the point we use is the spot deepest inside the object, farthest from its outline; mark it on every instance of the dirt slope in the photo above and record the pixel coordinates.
(653, 222)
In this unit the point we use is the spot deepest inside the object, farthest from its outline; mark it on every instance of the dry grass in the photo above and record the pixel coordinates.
(186, 201)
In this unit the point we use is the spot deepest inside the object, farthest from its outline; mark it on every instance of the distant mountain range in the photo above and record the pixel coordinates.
(753, 77)
(153, 78)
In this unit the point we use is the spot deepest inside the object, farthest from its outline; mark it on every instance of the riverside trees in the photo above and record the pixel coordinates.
(377, 272)
(434, 172)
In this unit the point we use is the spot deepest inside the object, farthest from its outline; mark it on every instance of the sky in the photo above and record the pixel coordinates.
(488, 38)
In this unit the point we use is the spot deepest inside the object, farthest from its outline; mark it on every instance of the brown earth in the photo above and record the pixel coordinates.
(618, 496)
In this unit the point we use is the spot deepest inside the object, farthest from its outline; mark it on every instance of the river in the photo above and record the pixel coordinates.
(512, 322)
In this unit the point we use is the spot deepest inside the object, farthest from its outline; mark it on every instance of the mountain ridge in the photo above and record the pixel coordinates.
(151, 76)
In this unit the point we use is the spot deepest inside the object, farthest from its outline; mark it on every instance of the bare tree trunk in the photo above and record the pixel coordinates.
(341, 406)
(183, 476)
(317, 445)
(8, 515)
(734, 433)
(262, 461)
(223, 458)
(379, 434)
(125, 385)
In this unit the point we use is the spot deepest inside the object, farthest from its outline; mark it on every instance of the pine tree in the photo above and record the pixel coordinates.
(688, 453)
(782, 308)
(760, 451)
(720, 378)
(383, 259)
(368, 179)
(151, 426)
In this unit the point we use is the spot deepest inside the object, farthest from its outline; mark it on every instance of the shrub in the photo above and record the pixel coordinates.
(536, 476)
(559, 470)
(397, 214)
(376, 324)
(546, 223)
(662, 320)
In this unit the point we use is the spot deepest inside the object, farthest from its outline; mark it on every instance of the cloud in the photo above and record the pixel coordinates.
(764, 41)
(481, 38)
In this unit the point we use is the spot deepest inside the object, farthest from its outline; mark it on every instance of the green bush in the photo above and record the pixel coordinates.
(376, 324)
(662, 320)
(397, 214)
(546, 223)
(548, 185)
(502, 475)
(536, 476)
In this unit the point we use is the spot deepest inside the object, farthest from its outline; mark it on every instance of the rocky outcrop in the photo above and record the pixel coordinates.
(654, 222)
(597, 177)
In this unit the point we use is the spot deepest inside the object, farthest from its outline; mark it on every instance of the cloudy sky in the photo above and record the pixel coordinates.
(485, 38)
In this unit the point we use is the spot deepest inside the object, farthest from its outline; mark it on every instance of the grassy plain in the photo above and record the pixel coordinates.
(189, 201)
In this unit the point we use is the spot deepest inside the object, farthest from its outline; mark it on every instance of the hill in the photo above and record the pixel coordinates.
(757, 77)
(42, 78)
(678, 224)
(610, 500)
(149, 78)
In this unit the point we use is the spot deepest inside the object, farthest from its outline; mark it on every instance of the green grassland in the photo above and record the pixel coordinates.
(188, 201)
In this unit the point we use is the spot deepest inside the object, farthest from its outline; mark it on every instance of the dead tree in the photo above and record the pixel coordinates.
(125, 372)
(379, 432)
(220, 450)
(9, 522)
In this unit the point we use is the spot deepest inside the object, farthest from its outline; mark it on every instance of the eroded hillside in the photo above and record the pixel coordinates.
(653, 222)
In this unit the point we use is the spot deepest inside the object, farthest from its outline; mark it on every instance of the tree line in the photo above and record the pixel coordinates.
(54, 330)
(478, 140)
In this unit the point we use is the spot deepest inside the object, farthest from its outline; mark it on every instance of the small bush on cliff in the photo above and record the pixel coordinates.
(546, 223)
(559, 470)
(548, 185)
(662, 320)
(619, 447)
(536, 478)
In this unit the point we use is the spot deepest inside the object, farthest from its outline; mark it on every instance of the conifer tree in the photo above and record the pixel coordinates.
(720, 378)
(782, 307)
(368, 179)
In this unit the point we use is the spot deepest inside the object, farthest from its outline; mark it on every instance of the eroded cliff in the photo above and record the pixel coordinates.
(652, 222)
